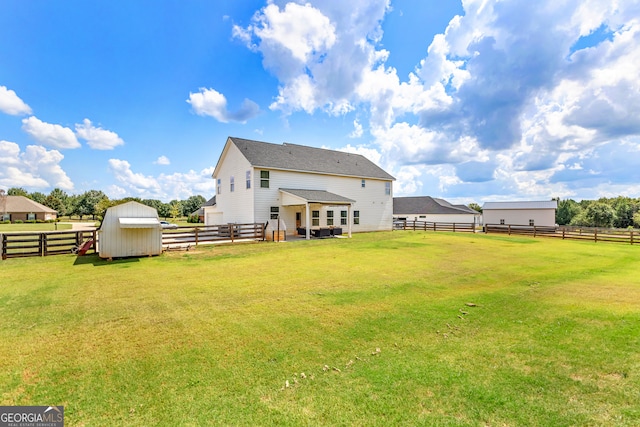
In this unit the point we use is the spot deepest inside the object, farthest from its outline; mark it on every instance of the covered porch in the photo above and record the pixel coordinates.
(307, 199)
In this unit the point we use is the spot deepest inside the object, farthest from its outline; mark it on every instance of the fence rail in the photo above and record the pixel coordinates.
(212, 233)
(434, 226)
(45, 243)
(572, 233)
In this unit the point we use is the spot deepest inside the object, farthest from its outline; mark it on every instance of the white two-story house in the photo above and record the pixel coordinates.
(300, 187)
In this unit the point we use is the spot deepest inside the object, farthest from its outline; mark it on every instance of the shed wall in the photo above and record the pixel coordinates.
(541, 217)
(116, 242)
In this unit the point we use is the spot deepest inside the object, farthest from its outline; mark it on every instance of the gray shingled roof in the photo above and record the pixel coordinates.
(21, 204)
(317, 196)
(308, 159)
(428, 205)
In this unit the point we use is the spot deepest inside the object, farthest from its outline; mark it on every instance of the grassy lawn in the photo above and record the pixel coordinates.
(397, 328)
(44, 226)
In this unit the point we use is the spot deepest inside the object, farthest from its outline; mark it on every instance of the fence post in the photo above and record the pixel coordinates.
(534, 231)
(42, 244)
(509, 229)
(595, 236)
(414, 225)
(231, 231)
(631, 232)
(196, 230)
(94, 235)
(454, 227)
(563, 233)
(4, 246)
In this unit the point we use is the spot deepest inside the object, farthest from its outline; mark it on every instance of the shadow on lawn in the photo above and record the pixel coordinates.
(99, 262)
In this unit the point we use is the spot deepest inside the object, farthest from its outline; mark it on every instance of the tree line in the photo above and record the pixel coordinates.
(94, 203)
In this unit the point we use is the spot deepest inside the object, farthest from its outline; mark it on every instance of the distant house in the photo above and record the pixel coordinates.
(200, 211)
(539, 213)
(20, 208)
(431, 209)
(301, 187)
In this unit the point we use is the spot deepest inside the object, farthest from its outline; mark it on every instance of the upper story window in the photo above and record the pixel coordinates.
(362, 183)
(232, 184)
(248, 179)
(387, 188)
(264, 179)
(219, 186)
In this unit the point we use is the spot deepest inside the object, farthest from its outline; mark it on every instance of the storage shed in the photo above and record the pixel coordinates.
(130, 229)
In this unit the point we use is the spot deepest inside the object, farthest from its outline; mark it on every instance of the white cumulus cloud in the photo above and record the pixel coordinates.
(162, 160)
(96, 137)
(209, 102)
(35, 168)
(53, 135)
(10, 103)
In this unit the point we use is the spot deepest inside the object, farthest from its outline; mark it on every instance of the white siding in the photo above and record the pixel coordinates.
(375, 207)
(116, 242)
(541, 217)
(236, 206)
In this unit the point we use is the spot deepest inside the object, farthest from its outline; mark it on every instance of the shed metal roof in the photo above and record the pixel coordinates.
(301, 158)
(138, 222)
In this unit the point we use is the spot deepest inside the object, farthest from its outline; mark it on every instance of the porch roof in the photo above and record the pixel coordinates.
(300, 196)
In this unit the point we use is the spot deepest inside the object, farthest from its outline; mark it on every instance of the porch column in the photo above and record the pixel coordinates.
(349, 219)
(307, 218)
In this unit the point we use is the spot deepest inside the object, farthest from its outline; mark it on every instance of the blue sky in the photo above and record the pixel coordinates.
(471, 101)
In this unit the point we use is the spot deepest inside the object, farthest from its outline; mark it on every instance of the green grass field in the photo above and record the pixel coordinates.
(397, 328)
(46, 226)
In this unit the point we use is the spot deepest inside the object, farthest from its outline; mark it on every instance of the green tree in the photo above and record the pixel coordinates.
(636, 219)
(475, 207)
(59, 201)
(624, 208)
(192, 204)
(86, 203)
(599, 214)
(161, 207)
(567, 210)
(17, 191)
(175, 209)
(37, 197)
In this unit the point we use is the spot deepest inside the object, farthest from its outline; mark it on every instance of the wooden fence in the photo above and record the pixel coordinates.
(45, 243)
(434, 226)
(184, 236)
(615, 235)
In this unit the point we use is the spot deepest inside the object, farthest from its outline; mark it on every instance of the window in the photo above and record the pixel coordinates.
(248, 179)
(275, 212)
(264, 179)
(31, 217)
(356, 217)
(219, 186)
(362, 183)
(422, 216)
(315, 218)
(387, 188)
(531, 222)
(343, 217)
(329, 217)
(5, 217)
(232, 184)
(502, 222)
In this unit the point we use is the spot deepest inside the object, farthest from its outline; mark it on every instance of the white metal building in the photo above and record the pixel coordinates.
(306, 187)
(539, 213)
(130, 229)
